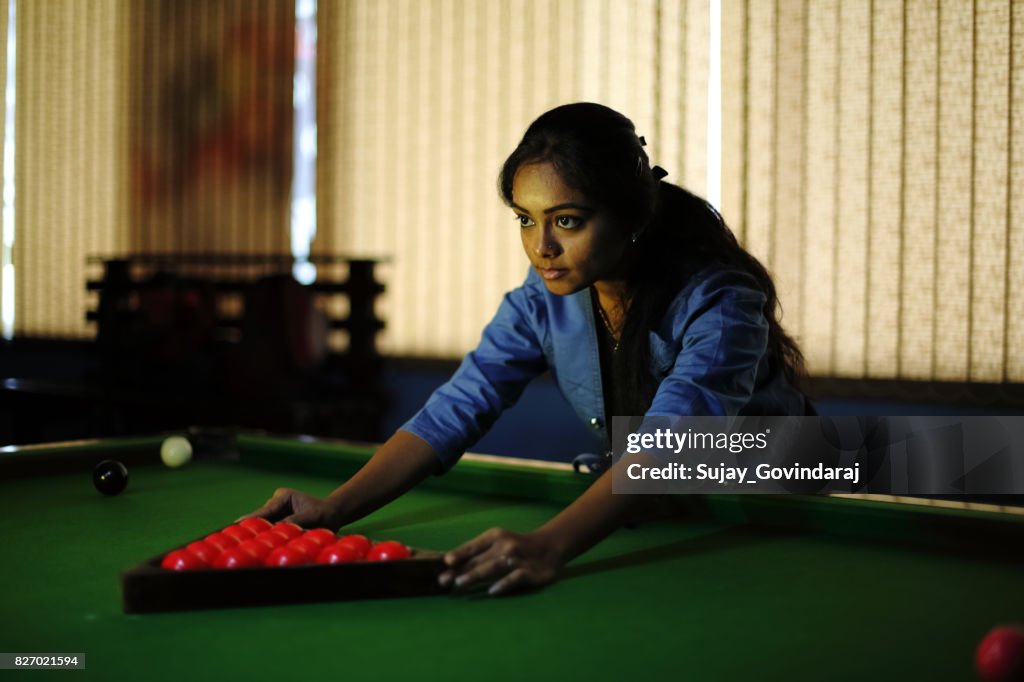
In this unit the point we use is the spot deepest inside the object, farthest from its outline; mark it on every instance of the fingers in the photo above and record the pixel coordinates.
(503, 560)
(471, 549)
(277, 507)
(511, 582)
(296, 507)
(490, 557)
(468, 559)
(486, 568)
(480, 569)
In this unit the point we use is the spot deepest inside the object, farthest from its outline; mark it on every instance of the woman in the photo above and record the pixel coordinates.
(639, 301)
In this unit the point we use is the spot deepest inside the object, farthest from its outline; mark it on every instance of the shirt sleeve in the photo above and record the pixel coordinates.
(490, 379)
(724, 335)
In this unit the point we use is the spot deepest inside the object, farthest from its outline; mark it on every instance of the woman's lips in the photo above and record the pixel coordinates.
(552, 273)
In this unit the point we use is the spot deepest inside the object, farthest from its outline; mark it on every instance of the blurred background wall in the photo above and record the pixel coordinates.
(870, 153)
(868, 156)
(874, 160)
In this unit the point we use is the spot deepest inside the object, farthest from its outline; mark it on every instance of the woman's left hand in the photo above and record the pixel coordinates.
(508, 561)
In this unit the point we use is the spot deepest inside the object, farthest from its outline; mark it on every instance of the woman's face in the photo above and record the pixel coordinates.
(570, 240)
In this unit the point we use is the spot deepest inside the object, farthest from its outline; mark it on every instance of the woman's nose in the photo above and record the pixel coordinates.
(546, 245)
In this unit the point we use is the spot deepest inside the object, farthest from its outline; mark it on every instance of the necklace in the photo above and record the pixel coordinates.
(608, 326)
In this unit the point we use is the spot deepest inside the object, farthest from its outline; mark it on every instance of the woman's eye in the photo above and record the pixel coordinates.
(524, 221)
(568, 222)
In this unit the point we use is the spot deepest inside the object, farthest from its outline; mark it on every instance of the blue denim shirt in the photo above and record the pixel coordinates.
(708, 355)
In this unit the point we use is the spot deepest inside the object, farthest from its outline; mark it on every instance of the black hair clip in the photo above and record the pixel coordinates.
(643, 142)
(658, 172)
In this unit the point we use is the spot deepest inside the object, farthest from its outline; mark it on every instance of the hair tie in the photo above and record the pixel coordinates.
(658, 172)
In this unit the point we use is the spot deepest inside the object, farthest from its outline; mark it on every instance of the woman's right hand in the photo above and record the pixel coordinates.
(402, 462)
(297, 507)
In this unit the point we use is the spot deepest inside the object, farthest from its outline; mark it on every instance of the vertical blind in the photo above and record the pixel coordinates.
(145, 125)
(5, 253)
(871, 152)
(211, 133)
(421, 102)
(4, 10)
(71, 137)
(874, 155)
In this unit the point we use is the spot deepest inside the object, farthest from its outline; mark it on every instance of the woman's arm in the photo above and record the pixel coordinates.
(398, 465)
(511, 561)
(490, 378)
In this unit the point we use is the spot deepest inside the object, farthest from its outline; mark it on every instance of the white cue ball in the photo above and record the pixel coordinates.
(175, 451)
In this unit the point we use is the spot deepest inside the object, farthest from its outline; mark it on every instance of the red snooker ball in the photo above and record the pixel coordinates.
(258, 550)
(307, 546)
(203, 550)
(360, 543)
(239, 532)
(292, 530)
(236, 557)
(272, 538)
(388, 550)
(321, 536)
(181, 560)
(337, 554)
(221, 541)
(1000, 655)
(286, 556)
(256, 524)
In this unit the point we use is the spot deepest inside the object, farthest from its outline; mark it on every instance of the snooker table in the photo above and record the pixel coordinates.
(724, 588)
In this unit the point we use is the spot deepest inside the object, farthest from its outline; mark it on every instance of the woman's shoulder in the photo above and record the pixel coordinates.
(727, 291)
(719, 281)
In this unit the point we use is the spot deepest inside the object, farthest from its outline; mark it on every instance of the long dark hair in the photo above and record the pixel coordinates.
(596, 151)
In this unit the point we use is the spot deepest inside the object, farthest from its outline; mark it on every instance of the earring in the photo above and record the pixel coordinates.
(634, 236)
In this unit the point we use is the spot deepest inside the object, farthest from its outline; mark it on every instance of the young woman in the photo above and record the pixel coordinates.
(639, 301)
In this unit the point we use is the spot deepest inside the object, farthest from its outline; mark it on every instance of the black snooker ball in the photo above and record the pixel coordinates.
(110, 477)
